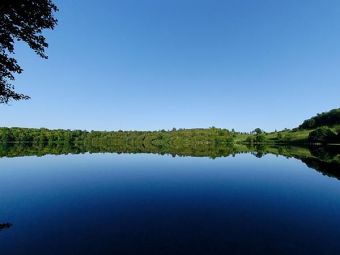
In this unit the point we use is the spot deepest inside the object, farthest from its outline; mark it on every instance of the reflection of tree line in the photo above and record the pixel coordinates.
(194, 149)
(325, 159)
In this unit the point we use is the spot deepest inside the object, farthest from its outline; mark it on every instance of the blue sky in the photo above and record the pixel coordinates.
(151, 64)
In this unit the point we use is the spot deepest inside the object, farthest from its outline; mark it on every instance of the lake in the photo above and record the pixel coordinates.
(109, 203)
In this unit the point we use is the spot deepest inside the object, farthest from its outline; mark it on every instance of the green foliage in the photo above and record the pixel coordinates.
(322, 135)
(212, 142)
(256, 139)
(250, 139)
(279, 137)
(40, 136)
(330, 118)
(260, 138)
(181, 137)
(23, 21)
(257, 131)
(166, 140)
(287, 138)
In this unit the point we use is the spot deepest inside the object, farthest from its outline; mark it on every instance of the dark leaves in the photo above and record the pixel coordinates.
(21, 21)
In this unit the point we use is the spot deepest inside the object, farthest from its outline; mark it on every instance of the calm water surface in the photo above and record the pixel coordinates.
(152, 204)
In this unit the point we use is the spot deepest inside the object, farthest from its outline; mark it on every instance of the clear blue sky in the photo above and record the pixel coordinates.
(151, 64)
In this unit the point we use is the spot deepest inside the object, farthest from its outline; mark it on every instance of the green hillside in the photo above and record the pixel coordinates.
(330, 119)
(324, 128)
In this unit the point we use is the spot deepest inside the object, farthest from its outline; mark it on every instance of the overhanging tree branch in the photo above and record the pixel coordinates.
(22, 20)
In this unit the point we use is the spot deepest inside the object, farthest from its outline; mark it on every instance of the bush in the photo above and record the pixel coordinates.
(250, 139)
(261, 138)
(338, 136)
(322, 135)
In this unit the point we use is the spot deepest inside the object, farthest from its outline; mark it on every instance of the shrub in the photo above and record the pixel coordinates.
(261, 138)
(322, 135)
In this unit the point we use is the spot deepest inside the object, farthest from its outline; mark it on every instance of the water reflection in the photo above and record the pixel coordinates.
(146, 204)
(325, 159)
(4, 226)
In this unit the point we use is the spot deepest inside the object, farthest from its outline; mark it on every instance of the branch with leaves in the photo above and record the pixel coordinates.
(22, 20)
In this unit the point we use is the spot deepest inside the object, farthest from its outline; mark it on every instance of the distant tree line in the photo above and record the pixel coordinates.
(174, 137)
(165, 139)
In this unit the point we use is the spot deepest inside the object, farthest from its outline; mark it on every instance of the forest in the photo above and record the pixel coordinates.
(321, 129)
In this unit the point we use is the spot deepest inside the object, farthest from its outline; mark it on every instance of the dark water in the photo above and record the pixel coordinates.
(153, 204)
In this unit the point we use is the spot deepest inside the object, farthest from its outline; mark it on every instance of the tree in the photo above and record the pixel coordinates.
(22, 20)
(257, 131)
(260, 138)
(330, 118)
